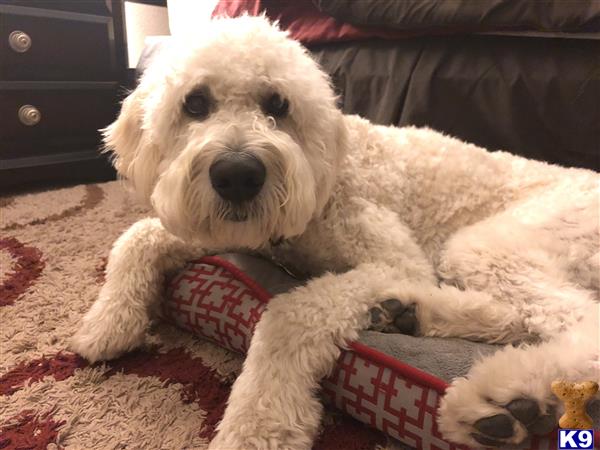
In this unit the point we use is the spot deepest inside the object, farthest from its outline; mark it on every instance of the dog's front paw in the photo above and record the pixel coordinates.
(393, 316)
(467, 417)
(107, 338)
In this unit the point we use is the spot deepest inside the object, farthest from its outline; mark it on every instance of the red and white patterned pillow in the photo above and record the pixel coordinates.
(215, 299)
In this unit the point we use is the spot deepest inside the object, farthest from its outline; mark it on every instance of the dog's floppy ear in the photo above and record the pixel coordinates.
(134, 155)
(123, 136)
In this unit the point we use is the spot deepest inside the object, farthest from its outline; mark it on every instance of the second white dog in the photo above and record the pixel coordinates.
(237, 142)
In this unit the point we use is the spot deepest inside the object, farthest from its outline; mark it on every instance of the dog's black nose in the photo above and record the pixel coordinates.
(237, 177)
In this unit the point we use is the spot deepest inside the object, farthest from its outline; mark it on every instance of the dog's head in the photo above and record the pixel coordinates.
(234, 135)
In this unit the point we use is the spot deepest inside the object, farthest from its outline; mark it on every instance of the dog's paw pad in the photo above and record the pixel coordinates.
(544, 424)
(499, 426)
(378, 318)
(392, 316)
(499, 430)
(393, 306)
(525, 410)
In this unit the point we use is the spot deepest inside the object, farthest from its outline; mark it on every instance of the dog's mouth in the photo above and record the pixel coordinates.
(236, 216)
(229, 212)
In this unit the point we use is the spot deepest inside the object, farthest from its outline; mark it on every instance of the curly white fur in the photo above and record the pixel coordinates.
(373, 212)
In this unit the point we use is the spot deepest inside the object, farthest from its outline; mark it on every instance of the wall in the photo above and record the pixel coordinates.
(142, 21)
(187, 15)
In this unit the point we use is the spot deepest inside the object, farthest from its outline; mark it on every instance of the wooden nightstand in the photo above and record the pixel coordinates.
(63, 68)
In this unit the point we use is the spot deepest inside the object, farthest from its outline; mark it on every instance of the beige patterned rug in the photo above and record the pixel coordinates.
(168, 395)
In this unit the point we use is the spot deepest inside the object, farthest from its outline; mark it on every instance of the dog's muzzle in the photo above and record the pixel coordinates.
(237, 177)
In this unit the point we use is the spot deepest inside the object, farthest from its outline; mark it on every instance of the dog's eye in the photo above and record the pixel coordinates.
(197, 104)
(276, 106)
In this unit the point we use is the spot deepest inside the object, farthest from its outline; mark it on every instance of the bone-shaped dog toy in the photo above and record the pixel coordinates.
(575, 397)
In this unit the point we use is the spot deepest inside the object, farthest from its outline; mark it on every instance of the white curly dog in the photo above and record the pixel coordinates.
(237, 142)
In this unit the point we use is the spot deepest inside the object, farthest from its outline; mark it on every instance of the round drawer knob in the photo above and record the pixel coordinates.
(29, 115)
(19, 41)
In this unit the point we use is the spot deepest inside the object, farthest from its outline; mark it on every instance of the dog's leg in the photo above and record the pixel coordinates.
(411, 300)
(273, 404)
(506, 398)
(534, 269)
(135, 272)
(446, 311)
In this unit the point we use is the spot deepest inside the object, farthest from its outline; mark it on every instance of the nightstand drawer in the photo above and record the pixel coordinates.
(40, 44)
(41, 121)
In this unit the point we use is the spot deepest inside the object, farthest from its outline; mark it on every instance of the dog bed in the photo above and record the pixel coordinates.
(391, 382)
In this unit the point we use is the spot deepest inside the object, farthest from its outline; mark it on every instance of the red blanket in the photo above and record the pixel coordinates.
(303, 20)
